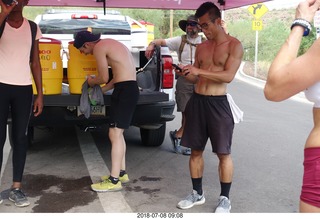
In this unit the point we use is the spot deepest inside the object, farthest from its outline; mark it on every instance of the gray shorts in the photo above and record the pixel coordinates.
(208, 117)
(184, 90)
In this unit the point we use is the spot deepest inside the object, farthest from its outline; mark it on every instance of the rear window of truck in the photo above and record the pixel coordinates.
(70, 26)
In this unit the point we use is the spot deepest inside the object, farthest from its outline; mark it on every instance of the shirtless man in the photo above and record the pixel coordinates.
(109, 52)
(208, 113)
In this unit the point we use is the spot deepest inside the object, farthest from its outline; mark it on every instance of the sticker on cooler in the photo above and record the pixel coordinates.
(51, 66)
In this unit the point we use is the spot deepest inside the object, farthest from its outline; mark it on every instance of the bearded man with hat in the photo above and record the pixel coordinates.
(185, 47)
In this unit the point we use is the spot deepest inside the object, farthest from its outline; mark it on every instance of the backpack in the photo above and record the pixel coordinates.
(33, 27)
(183, 42)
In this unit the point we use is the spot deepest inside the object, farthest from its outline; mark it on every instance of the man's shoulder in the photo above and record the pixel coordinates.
(234, 39)
(175, 38)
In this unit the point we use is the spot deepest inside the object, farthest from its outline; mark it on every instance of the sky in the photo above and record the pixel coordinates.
(279, 4)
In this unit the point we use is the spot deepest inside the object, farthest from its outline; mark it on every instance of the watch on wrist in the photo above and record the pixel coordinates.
(302, 23)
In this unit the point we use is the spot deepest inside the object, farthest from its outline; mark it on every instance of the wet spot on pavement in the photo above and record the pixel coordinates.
(58, 194)
(146, 178)
(140, 189)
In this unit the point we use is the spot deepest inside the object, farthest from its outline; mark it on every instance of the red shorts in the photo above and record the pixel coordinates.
(310, 193)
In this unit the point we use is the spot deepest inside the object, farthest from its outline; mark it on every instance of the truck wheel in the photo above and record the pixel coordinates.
(153, 137)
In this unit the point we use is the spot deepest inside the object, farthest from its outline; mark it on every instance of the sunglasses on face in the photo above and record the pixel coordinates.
(192, 24)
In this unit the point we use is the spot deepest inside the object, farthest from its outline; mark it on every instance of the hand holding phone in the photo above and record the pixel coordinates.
(177, 67)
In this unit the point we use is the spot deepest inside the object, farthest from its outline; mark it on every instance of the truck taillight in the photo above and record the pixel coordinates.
(82, 16)
(167, 79)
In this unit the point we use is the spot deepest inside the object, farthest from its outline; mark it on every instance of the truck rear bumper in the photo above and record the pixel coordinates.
(145, 115)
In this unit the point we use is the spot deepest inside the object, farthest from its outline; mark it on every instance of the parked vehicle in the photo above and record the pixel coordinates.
(155, 77)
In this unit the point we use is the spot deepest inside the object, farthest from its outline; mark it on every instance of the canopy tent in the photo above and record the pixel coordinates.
(151, 4)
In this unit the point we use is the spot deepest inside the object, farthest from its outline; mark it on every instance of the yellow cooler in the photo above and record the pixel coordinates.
(51, 65)
(79, 67)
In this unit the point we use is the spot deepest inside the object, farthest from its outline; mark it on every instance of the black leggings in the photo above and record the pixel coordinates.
(18, 100)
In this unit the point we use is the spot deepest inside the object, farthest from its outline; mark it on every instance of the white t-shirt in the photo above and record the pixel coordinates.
(187, 55)
(15, 46)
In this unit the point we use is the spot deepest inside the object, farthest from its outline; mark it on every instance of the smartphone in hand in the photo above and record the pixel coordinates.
(177, 67)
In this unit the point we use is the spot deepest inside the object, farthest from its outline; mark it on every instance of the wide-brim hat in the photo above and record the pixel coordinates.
(83, 37)
(183, 23)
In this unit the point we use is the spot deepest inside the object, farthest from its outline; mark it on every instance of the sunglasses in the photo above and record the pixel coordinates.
(192, 24)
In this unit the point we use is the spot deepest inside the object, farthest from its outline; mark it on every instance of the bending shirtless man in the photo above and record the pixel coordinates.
(109, 52)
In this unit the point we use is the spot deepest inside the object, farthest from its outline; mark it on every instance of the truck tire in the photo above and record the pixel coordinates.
(153, 137)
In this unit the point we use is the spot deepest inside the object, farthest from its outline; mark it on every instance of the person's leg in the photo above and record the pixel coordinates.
(225, 175)
(179, 132)
(21, 104)
(196, 166)
(112, 181)
(4, 110)
(123, 102)
(184, 91)
(221, 127)
(20, 113)
(307, 208)
(118, 148)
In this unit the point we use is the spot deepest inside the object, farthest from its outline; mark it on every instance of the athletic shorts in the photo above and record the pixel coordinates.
(184, 90)
(310, 192)
(123, 103)
(208, 117)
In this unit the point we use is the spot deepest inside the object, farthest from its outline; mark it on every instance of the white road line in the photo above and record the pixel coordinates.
(112, 202)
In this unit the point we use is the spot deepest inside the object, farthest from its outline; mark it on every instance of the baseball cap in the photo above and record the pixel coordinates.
(83, 37)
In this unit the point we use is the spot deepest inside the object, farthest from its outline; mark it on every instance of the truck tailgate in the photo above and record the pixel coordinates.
(145, 97)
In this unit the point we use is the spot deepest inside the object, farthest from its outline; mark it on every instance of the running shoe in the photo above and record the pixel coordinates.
(18, 197)
(106, 186)
(123, 179)
(224, 205)
(191, 200)
(187, 151)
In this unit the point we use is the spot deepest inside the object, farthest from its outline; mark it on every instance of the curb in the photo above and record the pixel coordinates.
(261, 83)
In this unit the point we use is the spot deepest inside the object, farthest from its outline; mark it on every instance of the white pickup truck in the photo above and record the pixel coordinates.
(155, 77)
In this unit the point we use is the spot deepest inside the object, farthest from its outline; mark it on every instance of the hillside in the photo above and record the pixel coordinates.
(239, 23)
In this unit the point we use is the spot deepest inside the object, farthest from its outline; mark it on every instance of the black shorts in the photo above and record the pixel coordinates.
(123, 103)
(208, 117)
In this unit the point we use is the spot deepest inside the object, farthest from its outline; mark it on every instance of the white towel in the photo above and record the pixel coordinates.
(237, 113)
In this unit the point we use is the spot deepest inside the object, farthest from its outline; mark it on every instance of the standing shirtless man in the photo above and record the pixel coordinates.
(208, 113)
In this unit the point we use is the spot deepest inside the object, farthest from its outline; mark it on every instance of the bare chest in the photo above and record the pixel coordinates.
(214, 55)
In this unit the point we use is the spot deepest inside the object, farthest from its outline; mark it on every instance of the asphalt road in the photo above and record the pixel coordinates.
(267, 153)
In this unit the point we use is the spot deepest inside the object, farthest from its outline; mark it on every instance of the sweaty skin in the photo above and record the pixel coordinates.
(103, 51)
(216, 61)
